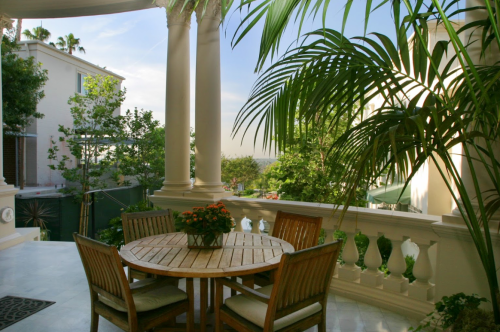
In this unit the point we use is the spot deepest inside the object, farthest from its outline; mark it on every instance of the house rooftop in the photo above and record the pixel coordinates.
(53, 50)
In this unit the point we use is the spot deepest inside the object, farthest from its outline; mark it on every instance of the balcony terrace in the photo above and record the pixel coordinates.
(53, 271)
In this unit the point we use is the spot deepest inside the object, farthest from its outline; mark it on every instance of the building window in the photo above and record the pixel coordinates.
(79, 84)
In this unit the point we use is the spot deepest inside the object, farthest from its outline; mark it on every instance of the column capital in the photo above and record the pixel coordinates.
(5, 22)
(212, 11)
(177, 14)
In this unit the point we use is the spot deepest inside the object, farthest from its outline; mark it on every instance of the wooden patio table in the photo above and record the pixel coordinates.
(242, 255)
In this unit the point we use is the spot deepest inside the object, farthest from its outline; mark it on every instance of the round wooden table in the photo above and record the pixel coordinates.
(242, 255)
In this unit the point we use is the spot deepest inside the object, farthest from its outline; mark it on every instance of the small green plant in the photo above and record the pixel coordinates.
(448, 310)
(114, 234)
(475, 320)
(37, 214)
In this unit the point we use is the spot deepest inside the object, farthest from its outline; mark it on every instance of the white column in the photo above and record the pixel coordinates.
(208, 100)
(5, 22)
(177, 100)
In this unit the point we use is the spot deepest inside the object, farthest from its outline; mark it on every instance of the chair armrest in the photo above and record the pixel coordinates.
(244, 290)
(146, 288)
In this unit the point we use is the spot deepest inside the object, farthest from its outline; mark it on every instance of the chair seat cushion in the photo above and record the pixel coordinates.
(152, 299)
(255, 311)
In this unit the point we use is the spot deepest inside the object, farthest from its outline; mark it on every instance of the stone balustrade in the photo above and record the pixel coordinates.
(446, 260)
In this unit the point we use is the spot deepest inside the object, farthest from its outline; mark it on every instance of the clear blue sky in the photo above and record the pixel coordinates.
(134, 45)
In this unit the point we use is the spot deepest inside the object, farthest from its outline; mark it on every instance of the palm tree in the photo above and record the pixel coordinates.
(69, 44)
(430, 105)
(38, 33)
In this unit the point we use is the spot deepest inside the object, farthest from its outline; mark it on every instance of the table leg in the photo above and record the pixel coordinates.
(248, 281)
(190, 315)
(203, 303)
(233, 292)
(212, 295)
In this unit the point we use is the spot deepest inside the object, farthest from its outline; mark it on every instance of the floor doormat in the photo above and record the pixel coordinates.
(13, 309)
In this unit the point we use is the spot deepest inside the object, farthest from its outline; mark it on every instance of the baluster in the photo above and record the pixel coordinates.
(396, 282)
(421, 288)
(256, 225)
(271, 226)
(372, 276)
(350, 271)
(239, 226)
(329, 235)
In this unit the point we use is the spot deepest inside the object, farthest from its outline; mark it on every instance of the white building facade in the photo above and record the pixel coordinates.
(66, 75)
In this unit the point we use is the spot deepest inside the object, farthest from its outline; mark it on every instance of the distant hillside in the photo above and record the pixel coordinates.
(263, 162)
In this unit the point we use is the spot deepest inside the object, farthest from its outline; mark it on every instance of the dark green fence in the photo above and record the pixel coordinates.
(64, 213)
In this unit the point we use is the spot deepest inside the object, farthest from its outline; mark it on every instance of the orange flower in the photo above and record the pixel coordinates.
(215, 218)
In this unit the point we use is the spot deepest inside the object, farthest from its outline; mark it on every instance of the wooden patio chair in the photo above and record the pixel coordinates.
(296, 301)
(139, 306)
(137, 225)
(300, 231)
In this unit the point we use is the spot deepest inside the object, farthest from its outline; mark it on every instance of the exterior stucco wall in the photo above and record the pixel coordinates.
(62, 83)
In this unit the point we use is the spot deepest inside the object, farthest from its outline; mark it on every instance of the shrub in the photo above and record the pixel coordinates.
(114, 234)
(475, 320)
(248, 192)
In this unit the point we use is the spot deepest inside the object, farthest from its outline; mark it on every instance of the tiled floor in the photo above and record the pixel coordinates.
(53, 271)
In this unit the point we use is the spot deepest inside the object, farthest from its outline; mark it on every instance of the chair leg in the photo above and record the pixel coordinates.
(94, 321)
(322, 324)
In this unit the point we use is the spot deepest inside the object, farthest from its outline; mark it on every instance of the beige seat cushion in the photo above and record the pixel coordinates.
(152, 299)
(255, 311)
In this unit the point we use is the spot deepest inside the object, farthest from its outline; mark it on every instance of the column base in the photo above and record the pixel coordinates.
(175, 186)
(208, 195)
(211, 187)
(351, 273)
(395, 285)
(421, 291)
(371, 278)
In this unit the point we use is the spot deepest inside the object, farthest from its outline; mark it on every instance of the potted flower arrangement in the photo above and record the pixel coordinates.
(204, 226)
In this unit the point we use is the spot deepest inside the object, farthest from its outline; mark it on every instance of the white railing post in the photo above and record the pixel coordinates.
(421, 288)
(350, 271)
(396, 282)
(239, 226)
(329, 235)
(256, 225)
(372, 276)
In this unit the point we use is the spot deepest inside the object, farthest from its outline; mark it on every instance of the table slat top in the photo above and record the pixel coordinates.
(241, 254)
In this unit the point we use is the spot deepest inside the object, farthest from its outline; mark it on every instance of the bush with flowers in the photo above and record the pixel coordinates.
(212, 220)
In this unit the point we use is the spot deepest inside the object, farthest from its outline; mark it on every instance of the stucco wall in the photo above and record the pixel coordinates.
(62, 83)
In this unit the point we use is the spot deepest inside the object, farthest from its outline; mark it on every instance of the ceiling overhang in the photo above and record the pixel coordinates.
(69, 8)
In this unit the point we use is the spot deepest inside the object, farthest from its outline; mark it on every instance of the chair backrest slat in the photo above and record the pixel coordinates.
(303, 278)
(300, 231)
(104, 271)
(137, 225)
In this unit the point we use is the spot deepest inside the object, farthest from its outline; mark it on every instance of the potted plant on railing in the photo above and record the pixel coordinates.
(204, 226)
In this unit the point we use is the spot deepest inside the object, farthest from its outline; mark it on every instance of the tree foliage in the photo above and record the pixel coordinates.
(90, 139)
(430, 105)
(144, 156)
(69, 44)
(243, 169)
(37, 33)
(22, 81)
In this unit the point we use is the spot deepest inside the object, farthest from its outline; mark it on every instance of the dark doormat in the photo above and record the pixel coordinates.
(13, 309)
